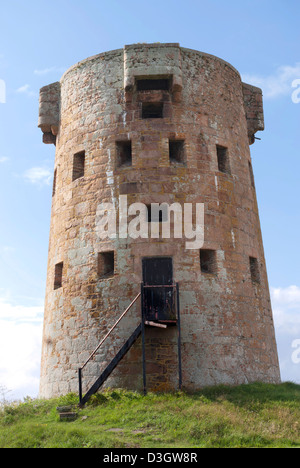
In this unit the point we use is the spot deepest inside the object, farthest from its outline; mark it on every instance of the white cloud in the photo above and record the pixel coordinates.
(38, 176)
(46, 71)
(286, 309)
(7, 249)
(3, 159)
(286, 312)
(278, 84)
(289, 295)
(15, 313)
(20, 348)
(25, 89)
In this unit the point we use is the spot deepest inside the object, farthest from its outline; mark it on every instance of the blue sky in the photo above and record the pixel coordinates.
(39, 41)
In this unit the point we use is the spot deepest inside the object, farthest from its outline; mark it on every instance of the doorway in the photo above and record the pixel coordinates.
(158, 297)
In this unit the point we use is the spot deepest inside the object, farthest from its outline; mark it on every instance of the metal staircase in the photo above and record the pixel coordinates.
(147, 313)
(106, 373)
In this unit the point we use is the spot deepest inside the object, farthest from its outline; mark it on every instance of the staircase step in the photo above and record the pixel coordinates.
(155, 324)
(68, 416)
(64, 409)
(66, 413)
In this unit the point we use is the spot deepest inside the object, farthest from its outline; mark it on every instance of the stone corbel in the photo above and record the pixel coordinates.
(49, 112)
(253, 104)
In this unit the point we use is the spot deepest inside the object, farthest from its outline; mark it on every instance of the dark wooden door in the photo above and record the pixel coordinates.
(158, 297)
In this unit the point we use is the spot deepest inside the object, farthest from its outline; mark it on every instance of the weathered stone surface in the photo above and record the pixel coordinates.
(226, 317)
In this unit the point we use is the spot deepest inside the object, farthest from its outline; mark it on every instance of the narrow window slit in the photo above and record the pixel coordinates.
(208, 261)
(176, 151)
(251, 173)
(254, 270)
(78, 165)
(54, 183)
(124, 153)
(58, 275)
(223, 160)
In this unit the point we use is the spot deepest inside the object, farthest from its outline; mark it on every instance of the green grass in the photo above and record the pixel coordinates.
(255, 415)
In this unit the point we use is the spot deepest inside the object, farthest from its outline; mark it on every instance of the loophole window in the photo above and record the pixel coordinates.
(251, 173)
(223, 160)
(176, 151)
(254, 270)
(162, 84)
(152, 110)
(58, 275)
(54, 183)
(157, 213)
(124, 153)
(78, 165)
(106, 264)
(208, 261)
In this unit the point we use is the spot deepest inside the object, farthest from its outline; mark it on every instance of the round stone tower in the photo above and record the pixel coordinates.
(154, 123)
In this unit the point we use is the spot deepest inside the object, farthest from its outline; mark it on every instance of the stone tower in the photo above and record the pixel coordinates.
(160, 124)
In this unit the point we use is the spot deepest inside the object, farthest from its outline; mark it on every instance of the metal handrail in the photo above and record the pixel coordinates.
(107, 335)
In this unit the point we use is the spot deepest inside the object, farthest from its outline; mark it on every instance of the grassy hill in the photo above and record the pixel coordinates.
(255, 415)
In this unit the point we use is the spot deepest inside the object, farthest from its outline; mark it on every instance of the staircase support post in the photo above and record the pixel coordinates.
(143, 339)
(80, 385)
(179, 338)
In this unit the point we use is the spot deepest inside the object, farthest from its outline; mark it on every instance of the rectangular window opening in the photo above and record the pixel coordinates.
(58, 275)
(208, 261)
(157, 213)
(162, 84)
(124, 153)
(223, 160)
(176, 151)
(78, 165)
(254, 270)
(106, 264)
(152, 110)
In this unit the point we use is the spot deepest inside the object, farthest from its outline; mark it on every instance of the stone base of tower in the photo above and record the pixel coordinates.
(204, 364)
